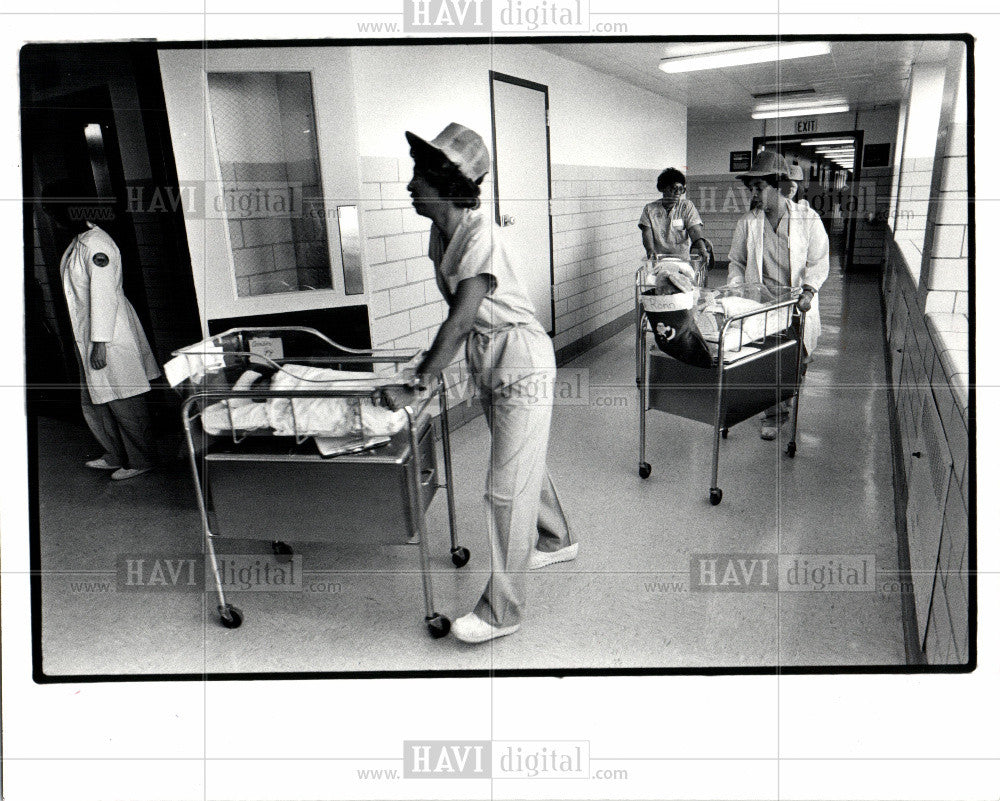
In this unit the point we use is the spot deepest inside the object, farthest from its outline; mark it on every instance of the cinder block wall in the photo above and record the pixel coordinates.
(873, 208)
(597, 247)
(930, 386)
(721, 200)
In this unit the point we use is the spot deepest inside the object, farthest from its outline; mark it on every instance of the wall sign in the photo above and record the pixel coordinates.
(805, 126)
(876, 155)
(739, 160)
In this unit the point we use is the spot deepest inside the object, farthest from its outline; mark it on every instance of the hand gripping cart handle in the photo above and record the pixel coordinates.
(254, 481)
(750, 373)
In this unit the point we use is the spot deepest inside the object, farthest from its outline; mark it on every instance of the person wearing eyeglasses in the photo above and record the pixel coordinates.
(671, 226)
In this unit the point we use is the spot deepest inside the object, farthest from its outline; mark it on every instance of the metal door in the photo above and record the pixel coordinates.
(521, 184)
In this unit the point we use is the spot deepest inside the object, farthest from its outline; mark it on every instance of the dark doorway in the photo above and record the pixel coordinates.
(94, 117)
(831, 179)
(73, 142)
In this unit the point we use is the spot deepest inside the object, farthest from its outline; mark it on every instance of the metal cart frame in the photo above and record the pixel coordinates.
(730, 391)
(417, 488)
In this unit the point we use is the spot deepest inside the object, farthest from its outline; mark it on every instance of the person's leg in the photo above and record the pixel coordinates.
(781, 413)
(101, 423)
(520, 433)
(553, 529)
(552, 526)
(134, 425)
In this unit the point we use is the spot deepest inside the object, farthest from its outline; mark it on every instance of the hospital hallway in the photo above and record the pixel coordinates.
(626, 602)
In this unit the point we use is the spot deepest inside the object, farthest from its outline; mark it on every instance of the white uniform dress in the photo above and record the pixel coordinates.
(113, 398)
(513, 364)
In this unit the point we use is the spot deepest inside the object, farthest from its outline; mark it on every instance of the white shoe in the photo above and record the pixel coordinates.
(768, 431)
(469, 628)
(541, 559)
(101, 464)
(125, 473)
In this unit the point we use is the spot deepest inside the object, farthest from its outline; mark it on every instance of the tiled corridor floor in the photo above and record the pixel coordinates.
(626, 602)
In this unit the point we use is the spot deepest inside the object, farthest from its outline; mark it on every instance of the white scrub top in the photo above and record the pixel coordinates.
(671, 229)
(91, 271)
(477, 249)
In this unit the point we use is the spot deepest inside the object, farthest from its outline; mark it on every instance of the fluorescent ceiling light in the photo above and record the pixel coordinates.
(832, 153)
(777, 105)
(804, 111)
(828, 142)
(746, 55)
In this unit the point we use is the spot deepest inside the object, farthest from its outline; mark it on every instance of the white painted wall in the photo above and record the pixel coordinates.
(595, 119)
(879, 125)
(608, 141)
(709, 144)
(926, 90)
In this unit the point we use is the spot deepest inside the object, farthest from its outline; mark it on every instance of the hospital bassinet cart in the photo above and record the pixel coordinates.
(253, 481)
(756, 364)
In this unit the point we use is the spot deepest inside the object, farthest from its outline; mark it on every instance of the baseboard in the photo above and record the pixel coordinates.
(594, 338)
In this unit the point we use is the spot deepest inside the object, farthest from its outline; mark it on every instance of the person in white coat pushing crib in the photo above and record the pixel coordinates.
(780, 243)
(115, 359)
(512, 361)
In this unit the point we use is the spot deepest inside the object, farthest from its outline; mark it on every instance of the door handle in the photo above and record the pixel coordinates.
(506, 221)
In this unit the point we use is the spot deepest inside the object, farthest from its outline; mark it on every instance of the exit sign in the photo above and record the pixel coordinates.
(805, 126)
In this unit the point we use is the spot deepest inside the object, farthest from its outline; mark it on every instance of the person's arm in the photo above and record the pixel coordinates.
(453, 331)
(99, 355)
(647, 240)
(738, 253)
(646, 226)
(468, 296)
(104, 267)
(699, 241)
(695, 229)
(817, 262)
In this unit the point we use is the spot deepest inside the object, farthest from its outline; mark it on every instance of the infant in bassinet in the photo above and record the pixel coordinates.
(319, 416)
(686, 320)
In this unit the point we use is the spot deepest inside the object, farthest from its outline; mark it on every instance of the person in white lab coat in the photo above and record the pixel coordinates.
(114, 357)
(780, 243)
(512, 361)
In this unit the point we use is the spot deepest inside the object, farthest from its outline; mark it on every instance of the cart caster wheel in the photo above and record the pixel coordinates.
(460, 556)
(790, 450)
(282, 550)
(645, 468)
(230, 616)
(725, 433)
(715, 496)
(438, 626)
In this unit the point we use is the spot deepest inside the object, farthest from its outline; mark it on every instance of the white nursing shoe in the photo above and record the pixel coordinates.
(101, 464)
(470, 628)
(125, 473)
(541, 559)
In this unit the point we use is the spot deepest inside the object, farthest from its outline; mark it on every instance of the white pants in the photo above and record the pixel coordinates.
(515, 374)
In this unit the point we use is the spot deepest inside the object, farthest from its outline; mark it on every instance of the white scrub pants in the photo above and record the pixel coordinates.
(515, 373)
